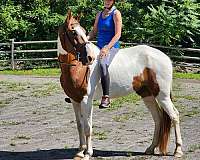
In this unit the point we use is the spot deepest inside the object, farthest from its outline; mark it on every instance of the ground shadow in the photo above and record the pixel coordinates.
(59, 154)
(52, 154)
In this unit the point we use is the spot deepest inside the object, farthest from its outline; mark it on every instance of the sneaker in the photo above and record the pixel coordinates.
(105, 102)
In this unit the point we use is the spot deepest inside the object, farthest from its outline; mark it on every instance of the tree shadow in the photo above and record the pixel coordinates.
(59, 154)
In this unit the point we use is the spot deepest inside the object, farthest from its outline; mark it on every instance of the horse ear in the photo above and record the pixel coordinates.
(69, 16)
(79, 17)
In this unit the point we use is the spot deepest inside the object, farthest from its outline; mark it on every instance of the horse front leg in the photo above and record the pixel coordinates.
(80, 127)
(87, 110)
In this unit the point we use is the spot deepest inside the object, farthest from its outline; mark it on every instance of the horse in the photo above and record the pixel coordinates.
(142, 69)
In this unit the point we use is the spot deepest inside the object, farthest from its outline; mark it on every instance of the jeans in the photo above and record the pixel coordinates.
(104, 64)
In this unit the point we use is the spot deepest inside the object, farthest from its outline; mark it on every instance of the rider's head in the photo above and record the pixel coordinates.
(108, 4)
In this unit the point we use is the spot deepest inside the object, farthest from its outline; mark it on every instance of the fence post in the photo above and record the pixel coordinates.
(12, 54)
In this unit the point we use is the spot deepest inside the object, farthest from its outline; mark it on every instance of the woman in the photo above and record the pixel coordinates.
(107, 27)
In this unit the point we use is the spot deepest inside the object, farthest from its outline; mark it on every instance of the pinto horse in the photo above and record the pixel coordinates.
(141, 69)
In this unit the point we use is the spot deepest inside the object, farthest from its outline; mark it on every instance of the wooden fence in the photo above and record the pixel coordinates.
(13, 51)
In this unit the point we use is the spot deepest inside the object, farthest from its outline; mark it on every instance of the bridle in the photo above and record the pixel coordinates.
(76, 47)
(75, 51)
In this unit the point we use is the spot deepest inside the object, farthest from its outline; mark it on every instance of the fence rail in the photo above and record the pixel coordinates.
(13, 51)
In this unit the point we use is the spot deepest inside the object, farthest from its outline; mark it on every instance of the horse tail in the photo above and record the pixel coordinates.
(164, 133)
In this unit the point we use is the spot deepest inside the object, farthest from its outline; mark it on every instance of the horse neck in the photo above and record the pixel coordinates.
(67, 58)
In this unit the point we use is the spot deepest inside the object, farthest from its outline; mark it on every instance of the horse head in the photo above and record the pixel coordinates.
(72, 39)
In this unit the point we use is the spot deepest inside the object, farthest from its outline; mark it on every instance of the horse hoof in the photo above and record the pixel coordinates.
(149, 151)
(77, 158)
(79, 155)
(87, 157)
(178, 154)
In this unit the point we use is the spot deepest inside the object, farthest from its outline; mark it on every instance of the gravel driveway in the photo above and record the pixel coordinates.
(37, 124)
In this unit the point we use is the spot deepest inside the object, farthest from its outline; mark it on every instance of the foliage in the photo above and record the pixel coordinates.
(28, 20)
(173, 24)
(155, 21)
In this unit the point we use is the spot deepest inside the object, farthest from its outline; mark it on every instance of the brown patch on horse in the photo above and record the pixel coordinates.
(74, 79)
(146, 84)
(68, 47)
(74, 75)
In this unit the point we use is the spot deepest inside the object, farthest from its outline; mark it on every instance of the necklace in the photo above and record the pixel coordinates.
(106, 14)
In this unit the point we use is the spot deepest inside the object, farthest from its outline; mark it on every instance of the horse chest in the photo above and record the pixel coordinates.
(74, 82)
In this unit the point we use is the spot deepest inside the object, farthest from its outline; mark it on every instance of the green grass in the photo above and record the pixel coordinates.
(100, 135)
(188, 97)
(186, 75)
(193, 147)
(10, 123)
(192, 113)
(56, 72)
(118, 102)
(122, 117)
(21, 137)
(47, 90)
(13, 86)
(5, 102)
(36, 72)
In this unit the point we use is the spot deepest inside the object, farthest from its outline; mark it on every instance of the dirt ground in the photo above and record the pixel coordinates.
(37, 124)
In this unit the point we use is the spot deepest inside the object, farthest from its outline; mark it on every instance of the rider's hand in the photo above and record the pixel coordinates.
(104, 52)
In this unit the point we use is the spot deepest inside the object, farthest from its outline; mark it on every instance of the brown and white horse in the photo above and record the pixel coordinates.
(142, 69)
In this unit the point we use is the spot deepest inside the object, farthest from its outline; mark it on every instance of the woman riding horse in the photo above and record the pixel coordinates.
(141, 70)
(107, 27)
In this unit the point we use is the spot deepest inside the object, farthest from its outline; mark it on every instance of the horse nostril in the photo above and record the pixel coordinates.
(89, 58)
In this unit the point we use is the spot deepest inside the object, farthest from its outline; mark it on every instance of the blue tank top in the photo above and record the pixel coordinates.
(106, 31)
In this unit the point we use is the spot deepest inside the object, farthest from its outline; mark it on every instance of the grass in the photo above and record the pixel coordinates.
(12, 86)
(21, 137)
(118, 102)
(47, 90)
(100, 135)
(122, 117)
(10, 123)
(35, 72)
(186, 75)
(4, 103)
(56, 72)
(66, 147)
(188, 97)
(187, 112)
(194, 147)
(192, 113)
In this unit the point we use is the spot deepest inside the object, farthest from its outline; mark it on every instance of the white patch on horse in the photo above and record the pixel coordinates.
(81, 33)
(60, 48)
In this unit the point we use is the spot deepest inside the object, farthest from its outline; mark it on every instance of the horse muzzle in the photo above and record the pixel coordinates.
(90, 59)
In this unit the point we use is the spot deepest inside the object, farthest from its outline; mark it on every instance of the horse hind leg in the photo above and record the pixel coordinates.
(166, 103)
(154, 108)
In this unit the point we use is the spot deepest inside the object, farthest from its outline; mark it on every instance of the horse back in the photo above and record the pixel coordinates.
(136, 69)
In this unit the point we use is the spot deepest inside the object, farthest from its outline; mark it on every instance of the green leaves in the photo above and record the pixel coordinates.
(169, 25)
(161, 22)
